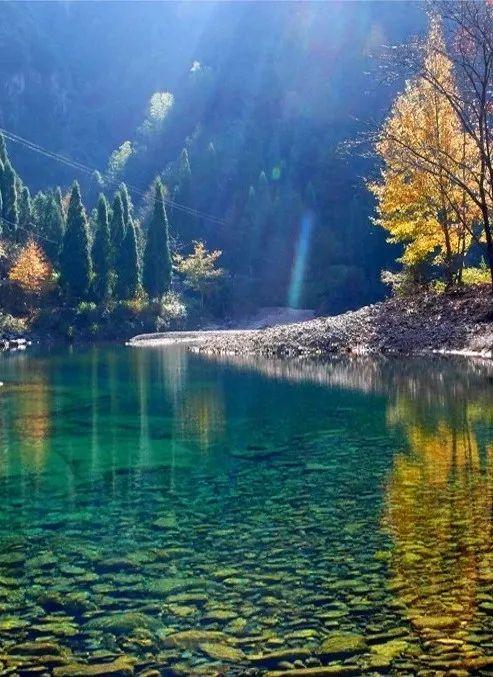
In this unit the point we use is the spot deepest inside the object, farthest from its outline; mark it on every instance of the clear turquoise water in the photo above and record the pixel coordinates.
(267, 506)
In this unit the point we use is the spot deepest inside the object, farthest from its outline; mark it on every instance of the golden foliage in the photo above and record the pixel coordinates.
(32, 271)
(199, 268)
(423, 148)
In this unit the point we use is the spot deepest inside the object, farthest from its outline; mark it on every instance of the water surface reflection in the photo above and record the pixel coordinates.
(319, 513)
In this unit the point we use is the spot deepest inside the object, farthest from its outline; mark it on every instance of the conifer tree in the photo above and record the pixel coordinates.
(101, 253)
(126, 203)
(9, 195)
(117, 226)
(52, 226)
(59, 200)
(157, 257)
(3, 150)
(75, 259)
(25, 213)
(128, 264)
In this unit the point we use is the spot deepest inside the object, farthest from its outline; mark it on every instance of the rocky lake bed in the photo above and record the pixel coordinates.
(347, 532)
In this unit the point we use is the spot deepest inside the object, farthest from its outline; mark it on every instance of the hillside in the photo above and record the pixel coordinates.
(262, 95)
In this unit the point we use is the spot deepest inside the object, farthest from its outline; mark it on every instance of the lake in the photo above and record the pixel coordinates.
(173, 513)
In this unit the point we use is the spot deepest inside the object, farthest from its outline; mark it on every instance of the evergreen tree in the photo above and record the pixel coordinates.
(59, 200)
(157, 257)
(3, 150)
(126, 202)
(75, 258)
(117, 226)
(128, 264)
(9, 194)
(52, 226)
(101, 252)
(25, 213)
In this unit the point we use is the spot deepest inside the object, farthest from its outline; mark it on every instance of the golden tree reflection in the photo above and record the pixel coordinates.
(439, 502)
(202, 417)
(28, 416)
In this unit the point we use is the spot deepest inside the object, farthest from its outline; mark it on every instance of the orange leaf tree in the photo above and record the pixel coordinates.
(32, 271)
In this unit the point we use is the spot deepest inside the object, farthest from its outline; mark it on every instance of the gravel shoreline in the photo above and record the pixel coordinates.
(452, 323)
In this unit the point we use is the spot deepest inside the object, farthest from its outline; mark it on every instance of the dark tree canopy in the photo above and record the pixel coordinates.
(10, 209)
(101, 252)
(52, 227)
(75, 259)
(128, 264)
(117, 226)
(126, 203)
(157, 256)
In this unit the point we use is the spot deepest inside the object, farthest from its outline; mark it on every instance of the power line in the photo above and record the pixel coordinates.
(74, 164)
(16, 226)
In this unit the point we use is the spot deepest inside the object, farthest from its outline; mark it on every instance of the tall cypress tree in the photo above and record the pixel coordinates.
(25, 213)
(9, 195)
(128, 264)
(126, 203)
(117, 226)
(101, 253)
(75, 258)
(53, 227)
(157, 256)
(3, 150)
(57, 193)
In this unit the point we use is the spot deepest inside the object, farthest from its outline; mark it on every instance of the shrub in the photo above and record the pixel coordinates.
(478, 275)
(139, 303)
(172, 311)
(403, 283)
(12, 325)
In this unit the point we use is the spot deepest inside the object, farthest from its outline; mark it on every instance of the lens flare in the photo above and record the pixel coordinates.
(300, 261)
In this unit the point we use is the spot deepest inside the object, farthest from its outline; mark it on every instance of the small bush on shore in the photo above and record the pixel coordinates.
(479, 275)
(12, 325)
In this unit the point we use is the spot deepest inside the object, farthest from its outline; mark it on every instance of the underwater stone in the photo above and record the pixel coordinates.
(435, 622)
(123, 623)
(190, 639)
(276, 657)
(121, 667)
(345, 644)
(323, 671)
(36, 649)
(75, 603)
(168, 522)
(222, 652)
(7, 624)
(166, 586)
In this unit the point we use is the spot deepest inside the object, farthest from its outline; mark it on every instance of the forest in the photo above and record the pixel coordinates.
(243, 130)
(244, 186)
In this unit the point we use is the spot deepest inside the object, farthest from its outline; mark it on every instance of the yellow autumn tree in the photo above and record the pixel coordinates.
(423, 147)
(32, 271)
(199, 269)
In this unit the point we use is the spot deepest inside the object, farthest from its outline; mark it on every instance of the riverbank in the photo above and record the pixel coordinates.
(460, 322)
